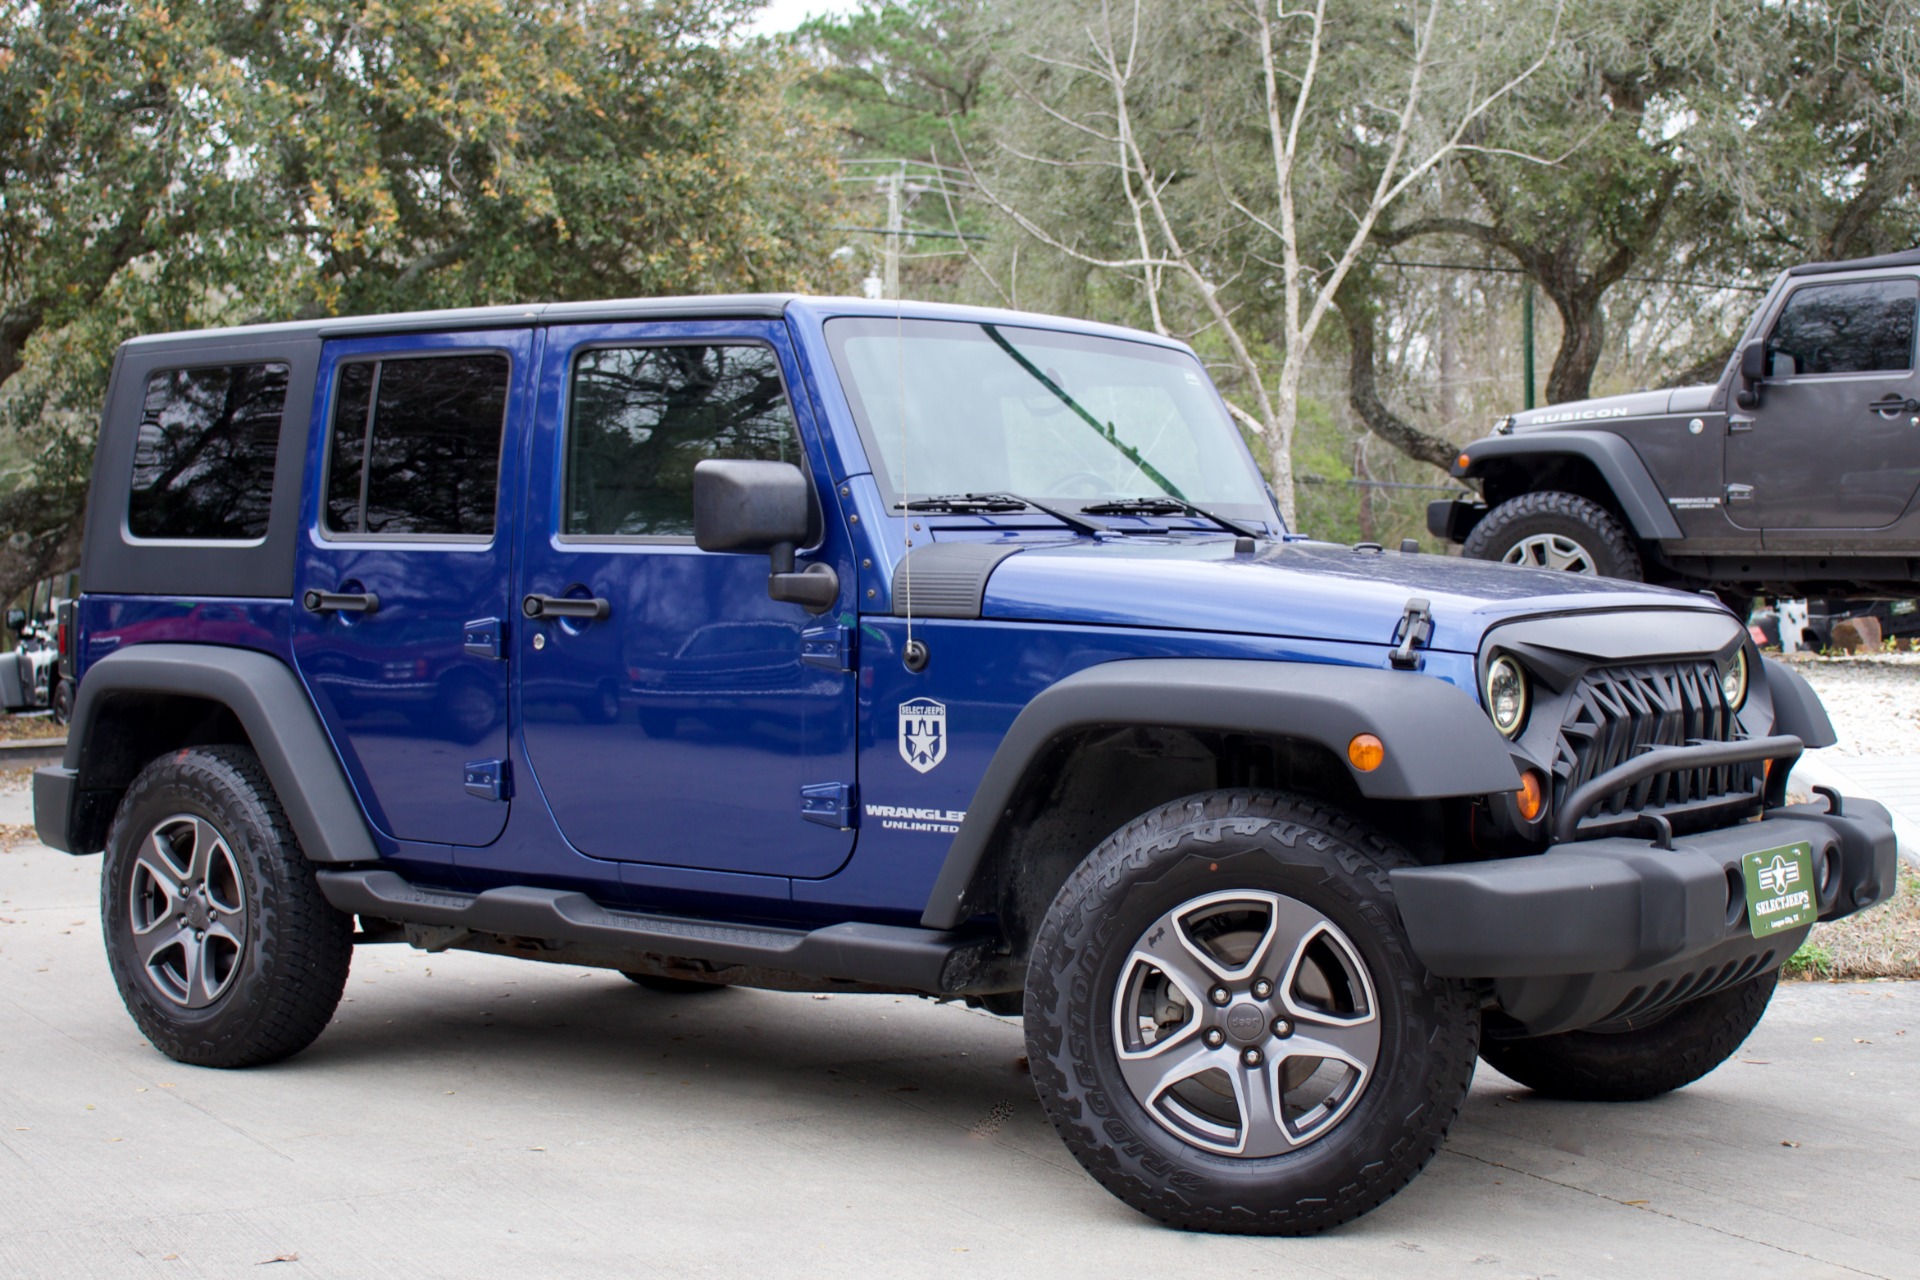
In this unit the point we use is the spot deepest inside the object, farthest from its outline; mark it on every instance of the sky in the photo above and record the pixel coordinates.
(785, 15)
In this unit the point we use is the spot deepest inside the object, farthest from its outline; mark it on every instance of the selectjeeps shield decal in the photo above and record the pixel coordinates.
(923, 733)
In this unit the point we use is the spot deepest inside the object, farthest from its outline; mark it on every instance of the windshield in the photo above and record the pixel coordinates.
(959, 407)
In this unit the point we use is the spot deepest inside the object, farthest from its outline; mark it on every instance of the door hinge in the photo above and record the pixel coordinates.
(1738, 422)
(1739, 493)
(483, 638)
(828, 803)
(486, 779)
(1416, 625)
(827, 645)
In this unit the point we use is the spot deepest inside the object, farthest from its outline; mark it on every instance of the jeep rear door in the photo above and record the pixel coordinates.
(403, 572)
(672, 712)
(1835, 440)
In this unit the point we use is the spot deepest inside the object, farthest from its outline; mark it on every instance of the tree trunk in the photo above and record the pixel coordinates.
(1582, 337)
(1363, 387)
(1286, 416)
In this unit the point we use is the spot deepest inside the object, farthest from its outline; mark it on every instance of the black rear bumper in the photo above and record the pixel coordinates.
(1600, 931)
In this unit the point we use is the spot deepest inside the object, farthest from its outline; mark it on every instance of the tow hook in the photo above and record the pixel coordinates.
(1415, 626)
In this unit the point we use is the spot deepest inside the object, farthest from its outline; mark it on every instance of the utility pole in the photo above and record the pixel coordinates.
(891, 274)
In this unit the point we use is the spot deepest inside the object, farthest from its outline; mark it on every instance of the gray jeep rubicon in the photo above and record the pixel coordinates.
(1795, 474)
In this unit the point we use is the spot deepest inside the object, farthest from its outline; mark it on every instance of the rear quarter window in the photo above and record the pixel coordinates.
(204, 461)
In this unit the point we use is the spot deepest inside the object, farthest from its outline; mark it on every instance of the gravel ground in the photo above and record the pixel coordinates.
(1874, 701)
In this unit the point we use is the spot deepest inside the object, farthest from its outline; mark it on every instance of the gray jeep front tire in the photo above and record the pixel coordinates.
(1227, 1025)
(223, 948)
(1553, 530)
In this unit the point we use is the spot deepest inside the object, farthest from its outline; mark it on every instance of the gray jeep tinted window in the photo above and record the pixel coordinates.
(203, 464)
(643, 416)
(1847, 328)
(416, 446)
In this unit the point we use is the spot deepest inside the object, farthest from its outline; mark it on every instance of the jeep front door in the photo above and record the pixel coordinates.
(1835, 440)
(403, 571)
(672, 712)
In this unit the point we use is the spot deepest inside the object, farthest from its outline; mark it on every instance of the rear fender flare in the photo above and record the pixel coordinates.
(1438, 741)
(272, 706)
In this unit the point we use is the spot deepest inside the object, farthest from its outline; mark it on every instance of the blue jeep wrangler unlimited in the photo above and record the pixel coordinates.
(830, 645)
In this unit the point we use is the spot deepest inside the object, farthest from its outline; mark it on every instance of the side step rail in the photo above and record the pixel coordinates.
(900, 959)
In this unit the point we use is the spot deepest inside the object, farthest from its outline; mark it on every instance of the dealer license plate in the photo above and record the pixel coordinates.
(1780, 890)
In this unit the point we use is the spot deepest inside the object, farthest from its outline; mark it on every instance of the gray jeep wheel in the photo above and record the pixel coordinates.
(1227, 1026)
(1554, 530)
(223, 948)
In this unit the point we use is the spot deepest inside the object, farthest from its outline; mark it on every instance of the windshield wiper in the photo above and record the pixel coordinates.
(1165, 507)
(988, 503)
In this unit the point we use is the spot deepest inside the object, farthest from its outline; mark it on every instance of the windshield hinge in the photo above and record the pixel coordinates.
(1414, 627)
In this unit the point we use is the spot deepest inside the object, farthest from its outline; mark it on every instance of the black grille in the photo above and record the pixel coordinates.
(1615, 713)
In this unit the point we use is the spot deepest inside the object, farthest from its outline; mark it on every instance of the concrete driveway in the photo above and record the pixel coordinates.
(468, 1116)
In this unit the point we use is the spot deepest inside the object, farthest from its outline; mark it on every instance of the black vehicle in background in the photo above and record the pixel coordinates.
(1795, 475)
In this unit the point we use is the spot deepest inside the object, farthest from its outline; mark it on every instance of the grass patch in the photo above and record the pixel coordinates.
(16, 728)
(1880, 942)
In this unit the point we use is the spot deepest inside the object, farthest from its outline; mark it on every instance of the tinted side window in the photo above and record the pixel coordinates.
(642, 417)
(1847, 328)
(203, 464)
(416, 445)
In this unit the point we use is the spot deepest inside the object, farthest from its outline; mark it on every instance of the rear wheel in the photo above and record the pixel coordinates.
(1227, 1025)
(1630, 1064)
(223, 948)
(1557, 531)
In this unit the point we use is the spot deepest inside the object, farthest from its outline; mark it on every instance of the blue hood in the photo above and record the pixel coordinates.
(1301, 590)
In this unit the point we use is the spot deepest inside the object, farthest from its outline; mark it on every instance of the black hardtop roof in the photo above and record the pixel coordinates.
(715, 307)
(1904, 258)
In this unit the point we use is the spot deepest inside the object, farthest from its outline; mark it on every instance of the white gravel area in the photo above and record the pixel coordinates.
(1874, 701)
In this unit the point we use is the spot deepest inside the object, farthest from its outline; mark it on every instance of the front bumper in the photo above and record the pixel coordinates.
(1453, 518)
(1607, 931)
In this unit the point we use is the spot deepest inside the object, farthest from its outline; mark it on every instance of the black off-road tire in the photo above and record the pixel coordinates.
(1243, 841)
(1641, 1063)
(672, 986)
(292, 966)
(1604, 541)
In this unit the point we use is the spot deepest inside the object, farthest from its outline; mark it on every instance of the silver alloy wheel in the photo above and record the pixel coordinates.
(189, 910)
(1245, 1023)
(1551, 551)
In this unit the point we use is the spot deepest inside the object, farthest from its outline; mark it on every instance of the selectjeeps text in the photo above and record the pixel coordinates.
(833, 645)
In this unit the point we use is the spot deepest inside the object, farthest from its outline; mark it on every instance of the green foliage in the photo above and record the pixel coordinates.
(1812, 960)
(901, 77)
(177, 163)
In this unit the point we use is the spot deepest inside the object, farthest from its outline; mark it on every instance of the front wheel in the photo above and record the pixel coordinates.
(1228, 1027)
(1557, 531)
(1631, 1064)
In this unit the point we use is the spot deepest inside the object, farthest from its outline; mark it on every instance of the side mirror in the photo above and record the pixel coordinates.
(763, 506)
(16, 619)
(1753, 372)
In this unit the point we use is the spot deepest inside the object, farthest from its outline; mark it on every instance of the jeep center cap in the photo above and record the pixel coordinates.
(1246, 1022)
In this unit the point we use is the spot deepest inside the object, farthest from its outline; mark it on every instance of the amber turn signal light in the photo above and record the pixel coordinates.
(1366, 751)
(1462, 462)
(1533, 795)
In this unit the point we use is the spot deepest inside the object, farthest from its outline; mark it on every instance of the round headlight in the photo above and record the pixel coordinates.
(1506, 695)
(1733, 681)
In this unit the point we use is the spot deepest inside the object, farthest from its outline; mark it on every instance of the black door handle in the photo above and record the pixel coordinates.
(537, 606)
(341, 602)
(1889, 405)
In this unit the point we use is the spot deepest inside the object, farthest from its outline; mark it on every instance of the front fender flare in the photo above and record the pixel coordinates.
(1439, 742)
(274, 709)
(1626, 475)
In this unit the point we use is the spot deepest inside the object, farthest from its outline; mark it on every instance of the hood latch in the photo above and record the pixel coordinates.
(1415, 626)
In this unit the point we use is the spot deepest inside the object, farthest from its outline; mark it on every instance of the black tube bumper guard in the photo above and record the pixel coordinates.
(1615, 930)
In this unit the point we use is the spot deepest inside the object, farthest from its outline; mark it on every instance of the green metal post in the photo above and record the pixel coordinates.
(1526, 337)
